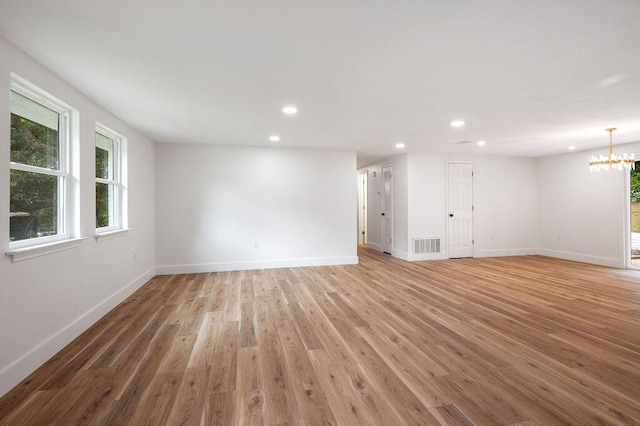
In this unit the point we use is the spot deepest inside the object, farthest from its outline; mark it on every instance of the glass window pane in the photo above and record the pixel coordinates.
(104, 157)
(33, 205)
(634, 186)
(34, 133)
(105, 205)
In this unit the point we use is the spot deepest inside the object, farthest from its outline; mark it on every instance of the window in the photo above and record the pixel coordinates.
(109, 188)
(39, 168)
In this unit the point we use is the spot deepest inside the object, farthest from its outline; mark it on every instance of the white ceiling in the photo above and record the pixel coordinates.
(529, 77)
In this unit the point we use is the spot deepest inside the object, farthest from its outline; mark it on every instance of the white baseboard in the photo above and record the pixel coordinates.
(18, 370)
(579, 257)
(374, 246)
(257, 264)
(427, 256)
(400, 254)
(505, 252)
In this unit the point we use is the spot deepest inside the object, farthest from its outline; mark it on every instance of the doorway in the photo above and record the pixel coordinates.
(387, 210)
(460, 209)
(362, 208)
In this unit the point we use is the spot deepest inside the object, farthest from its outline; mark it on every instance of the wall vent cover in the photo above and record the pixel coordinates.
(423, 245)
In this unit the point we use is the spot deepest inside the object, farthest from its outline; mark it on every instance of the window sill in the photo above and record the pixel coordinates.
(112, 234)
(18, 255)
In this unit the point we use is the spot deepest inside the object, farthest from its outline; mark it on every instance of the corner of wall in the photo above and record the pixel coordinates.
(14, 373)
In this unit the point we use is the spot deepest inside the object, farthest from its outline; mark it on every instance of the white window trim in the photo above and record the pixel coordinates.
(37, 95)
(112, 234)
(20, 254)
(119, 227)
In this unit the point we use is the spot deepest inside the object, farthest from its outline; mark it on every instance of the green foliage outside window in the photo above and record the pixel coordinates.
(102, 190)
(33, 195)
(635, 199)
(635, 185)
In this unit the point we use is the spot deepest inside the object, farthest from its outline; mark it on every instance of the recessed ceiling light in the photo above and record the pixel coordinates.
(457, 123)
(400, 145)
(290, 110)
(482, 143)
(572, 147)
(274, 138)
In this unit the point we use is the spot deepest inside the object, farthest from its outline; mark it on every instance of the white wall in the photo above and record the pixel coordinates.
(505, 200)
(552, 206)
(213, 202)
(401, 184)
(46, 302)
(582, 215)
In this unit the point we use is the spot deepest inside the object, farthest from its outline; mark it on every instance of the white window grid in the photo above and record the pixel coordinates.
(62, 173)
(116, 179)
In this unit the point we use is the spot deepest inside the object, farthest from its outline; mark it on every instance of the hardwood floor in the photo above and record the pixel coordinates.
(513, 340)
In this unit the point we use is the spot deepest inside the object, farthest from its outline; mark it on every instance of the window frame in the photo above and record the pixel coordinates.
(116, 181)
(63, 173)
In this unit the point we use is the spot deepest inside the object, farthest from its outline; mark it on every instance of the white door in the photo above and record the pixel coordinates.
(460, 203)
(387, 213)
(362, 208)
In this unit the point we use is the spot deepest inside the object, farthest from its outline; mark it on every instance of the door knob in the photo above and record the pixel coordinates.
(450, 214)
(382, 214)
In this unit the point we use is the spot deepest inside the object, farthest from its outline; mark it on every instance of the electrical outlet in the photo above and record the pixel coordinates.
(493, 236)
(559, 235)
(255, 244)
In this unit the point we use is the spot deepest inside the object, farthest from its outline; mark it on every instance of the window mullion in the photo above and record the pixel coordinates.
(64, 183)
(36, 169)
(116, 178)
(106, 181)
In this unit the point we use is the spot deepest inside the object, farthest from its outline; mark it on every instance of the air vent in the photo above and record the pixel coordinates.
(423, 245)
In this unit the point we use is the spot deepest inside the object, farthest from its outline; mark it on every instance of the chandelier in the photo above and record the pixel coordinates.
(613, 161)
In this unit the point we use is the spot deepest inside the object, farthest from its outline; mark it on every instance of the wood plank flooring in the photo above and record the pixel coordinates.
(492, 341)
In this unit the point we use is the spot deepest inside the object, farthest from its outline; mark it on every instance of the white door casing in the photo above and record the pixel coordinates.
(387, 210)
(460, 209)
(362, 208)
